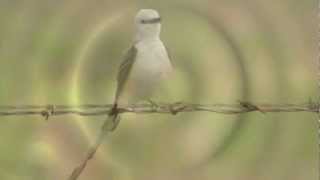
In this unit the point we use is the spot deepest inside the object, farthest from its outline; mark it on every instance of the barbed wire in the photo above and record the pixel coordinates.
(318, 74)
(318, 65)
(153, 107)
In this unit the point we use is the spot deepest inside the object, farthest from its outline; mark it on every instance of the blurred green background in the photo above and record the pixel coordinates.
(68, 52)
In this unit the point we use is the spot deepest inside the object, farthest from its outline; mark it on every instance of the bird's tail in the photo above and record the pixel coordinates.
(109, 125)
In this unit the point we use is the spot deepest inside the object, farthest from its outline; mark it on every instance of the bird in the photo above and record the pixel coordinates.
(145, 65)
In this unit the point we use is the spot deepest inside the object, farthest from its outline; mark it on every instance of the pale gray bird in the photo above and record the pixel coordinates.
(145, 64)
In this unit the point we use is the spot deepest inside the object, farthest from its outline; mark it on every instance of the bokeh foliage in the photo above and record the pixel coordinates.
(67, 52)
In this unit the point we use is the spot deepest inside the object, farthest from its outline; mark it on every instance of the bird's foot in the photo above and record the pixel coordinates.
(153, 104)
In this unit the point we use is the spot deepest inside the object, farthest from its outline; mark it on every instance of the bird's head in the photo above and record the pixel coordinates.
(148, 24)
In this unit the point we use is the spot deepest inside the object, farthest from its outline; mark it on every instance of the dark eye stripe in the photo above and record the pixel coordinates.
(151, 21)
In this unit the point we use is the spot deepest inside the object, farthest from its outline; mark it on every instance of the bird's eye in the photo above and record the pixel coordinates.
(150, 21)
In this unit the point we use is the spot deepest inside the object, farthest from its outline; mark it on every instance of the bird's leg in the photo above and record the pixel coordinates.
(153, 104)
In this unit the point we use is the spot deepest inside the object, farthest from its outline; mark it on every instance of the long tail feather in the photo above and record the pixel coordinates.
(109, 125)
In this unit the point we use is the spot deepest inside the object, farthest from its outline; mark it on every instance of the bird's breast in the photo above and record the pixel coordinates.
(152, 61)
(149, 68)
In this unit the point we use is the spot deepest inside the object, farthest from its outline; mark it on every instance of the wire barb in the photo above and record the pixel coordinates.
(175, 108)
(49, 111)
(250, 107)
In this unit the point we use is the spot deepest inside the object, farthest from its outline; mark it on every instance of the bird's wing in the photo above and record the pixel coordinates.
(124, 70)
(169, 54)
